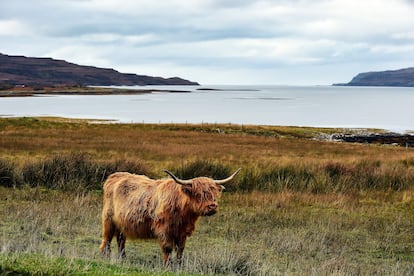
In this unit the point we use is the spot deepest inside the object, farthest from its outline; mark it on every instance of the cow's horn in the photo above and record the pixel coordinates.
(176, 179)
(223, 181)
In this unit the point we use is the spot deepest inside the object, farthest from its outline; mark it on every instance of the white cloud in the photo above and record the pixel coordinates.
(403, 36)
(13, 28)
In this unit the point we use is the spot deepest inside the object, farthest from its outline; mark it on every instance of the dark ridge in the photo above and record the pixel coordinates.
(41, 72)
(392, 78)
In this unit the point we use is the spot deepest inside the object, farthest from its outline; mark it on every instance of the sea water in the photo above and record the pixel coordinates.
(320, 106)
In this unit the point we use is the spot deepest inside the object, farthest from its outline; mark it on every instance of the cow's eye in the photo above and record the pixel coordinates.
(198, 197)
(208, 196)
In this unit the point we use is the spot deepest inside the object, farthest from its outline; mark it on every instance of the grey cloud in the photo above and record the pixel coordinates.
(234, 34)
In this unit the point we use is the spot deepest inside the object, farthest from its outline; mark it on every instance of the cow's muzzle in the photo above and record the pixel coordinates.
(211, 209)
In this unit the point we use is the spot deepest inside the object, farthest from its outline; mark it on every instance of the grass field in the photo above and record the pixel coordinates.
(299, 206)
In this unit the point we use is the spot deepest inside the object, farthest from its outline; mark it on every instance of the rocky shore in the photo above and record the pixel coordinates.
(386, 138)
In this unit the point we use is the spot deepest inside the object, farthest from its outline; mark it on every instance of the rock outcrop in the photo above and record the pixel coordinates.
(400, 78)
(406, 140)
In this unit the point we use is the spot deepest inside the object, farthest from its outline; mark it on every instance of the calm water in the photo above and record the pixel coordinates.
(386, 108)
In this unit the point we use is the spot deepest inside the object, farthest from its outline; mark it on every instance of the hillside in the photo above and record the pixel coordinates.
(29, 71)
(402, 78)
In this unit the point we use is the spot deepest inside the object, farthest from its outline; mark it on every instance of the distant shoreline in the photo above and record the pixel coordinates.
(98, 91)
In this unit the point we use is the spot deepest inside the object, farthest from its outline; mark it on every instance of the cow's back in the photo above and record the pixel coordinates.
(121, 184)
(126, 199)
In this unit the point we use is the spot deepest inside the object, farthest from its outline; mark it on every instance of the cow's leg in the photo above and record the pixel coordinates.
(166, 241)
(121, 239)
(166, 254)
(108, 231)
(167, 248)
(180, 245)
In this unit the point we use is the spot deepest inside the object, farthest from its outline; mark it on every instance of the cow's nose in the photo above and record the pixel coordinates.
(213, 206)
(211, 209)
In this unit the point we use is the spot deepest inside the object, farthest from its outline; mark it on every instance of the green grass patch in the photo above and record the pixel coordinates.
(35, 264)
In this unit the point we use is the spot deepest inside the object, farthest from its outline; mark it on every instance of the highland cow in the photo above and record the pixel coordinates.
(135, 206)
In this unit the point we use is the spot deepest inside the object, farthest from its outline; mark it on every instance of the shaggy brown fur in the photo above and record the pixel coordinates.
(136, 206)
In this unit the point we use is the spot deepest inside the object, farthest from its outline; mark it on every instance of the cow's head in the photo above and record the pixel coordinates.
(204, 192)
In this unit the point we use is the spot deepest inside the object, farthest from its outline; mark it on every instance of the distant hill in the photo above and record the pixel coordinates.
(402, 77)
(29, 71)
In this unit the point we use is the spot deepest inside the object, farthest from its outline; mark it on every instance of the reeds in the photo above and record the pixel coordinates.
(8, 175)
(203, 167)
(73, 171)
(322, 178)
(78, 171)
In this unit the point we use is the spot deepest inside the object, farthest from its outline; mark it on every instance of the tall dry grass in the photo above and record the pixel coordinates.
(24, 139)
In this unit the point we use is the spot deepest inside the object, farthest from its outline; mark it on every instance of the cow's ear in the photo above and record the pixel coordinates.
(222, 188)
(187, 189)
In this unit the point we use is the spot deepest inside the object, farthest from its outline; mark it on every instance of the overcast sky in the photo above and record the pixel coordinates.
(296, 42)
